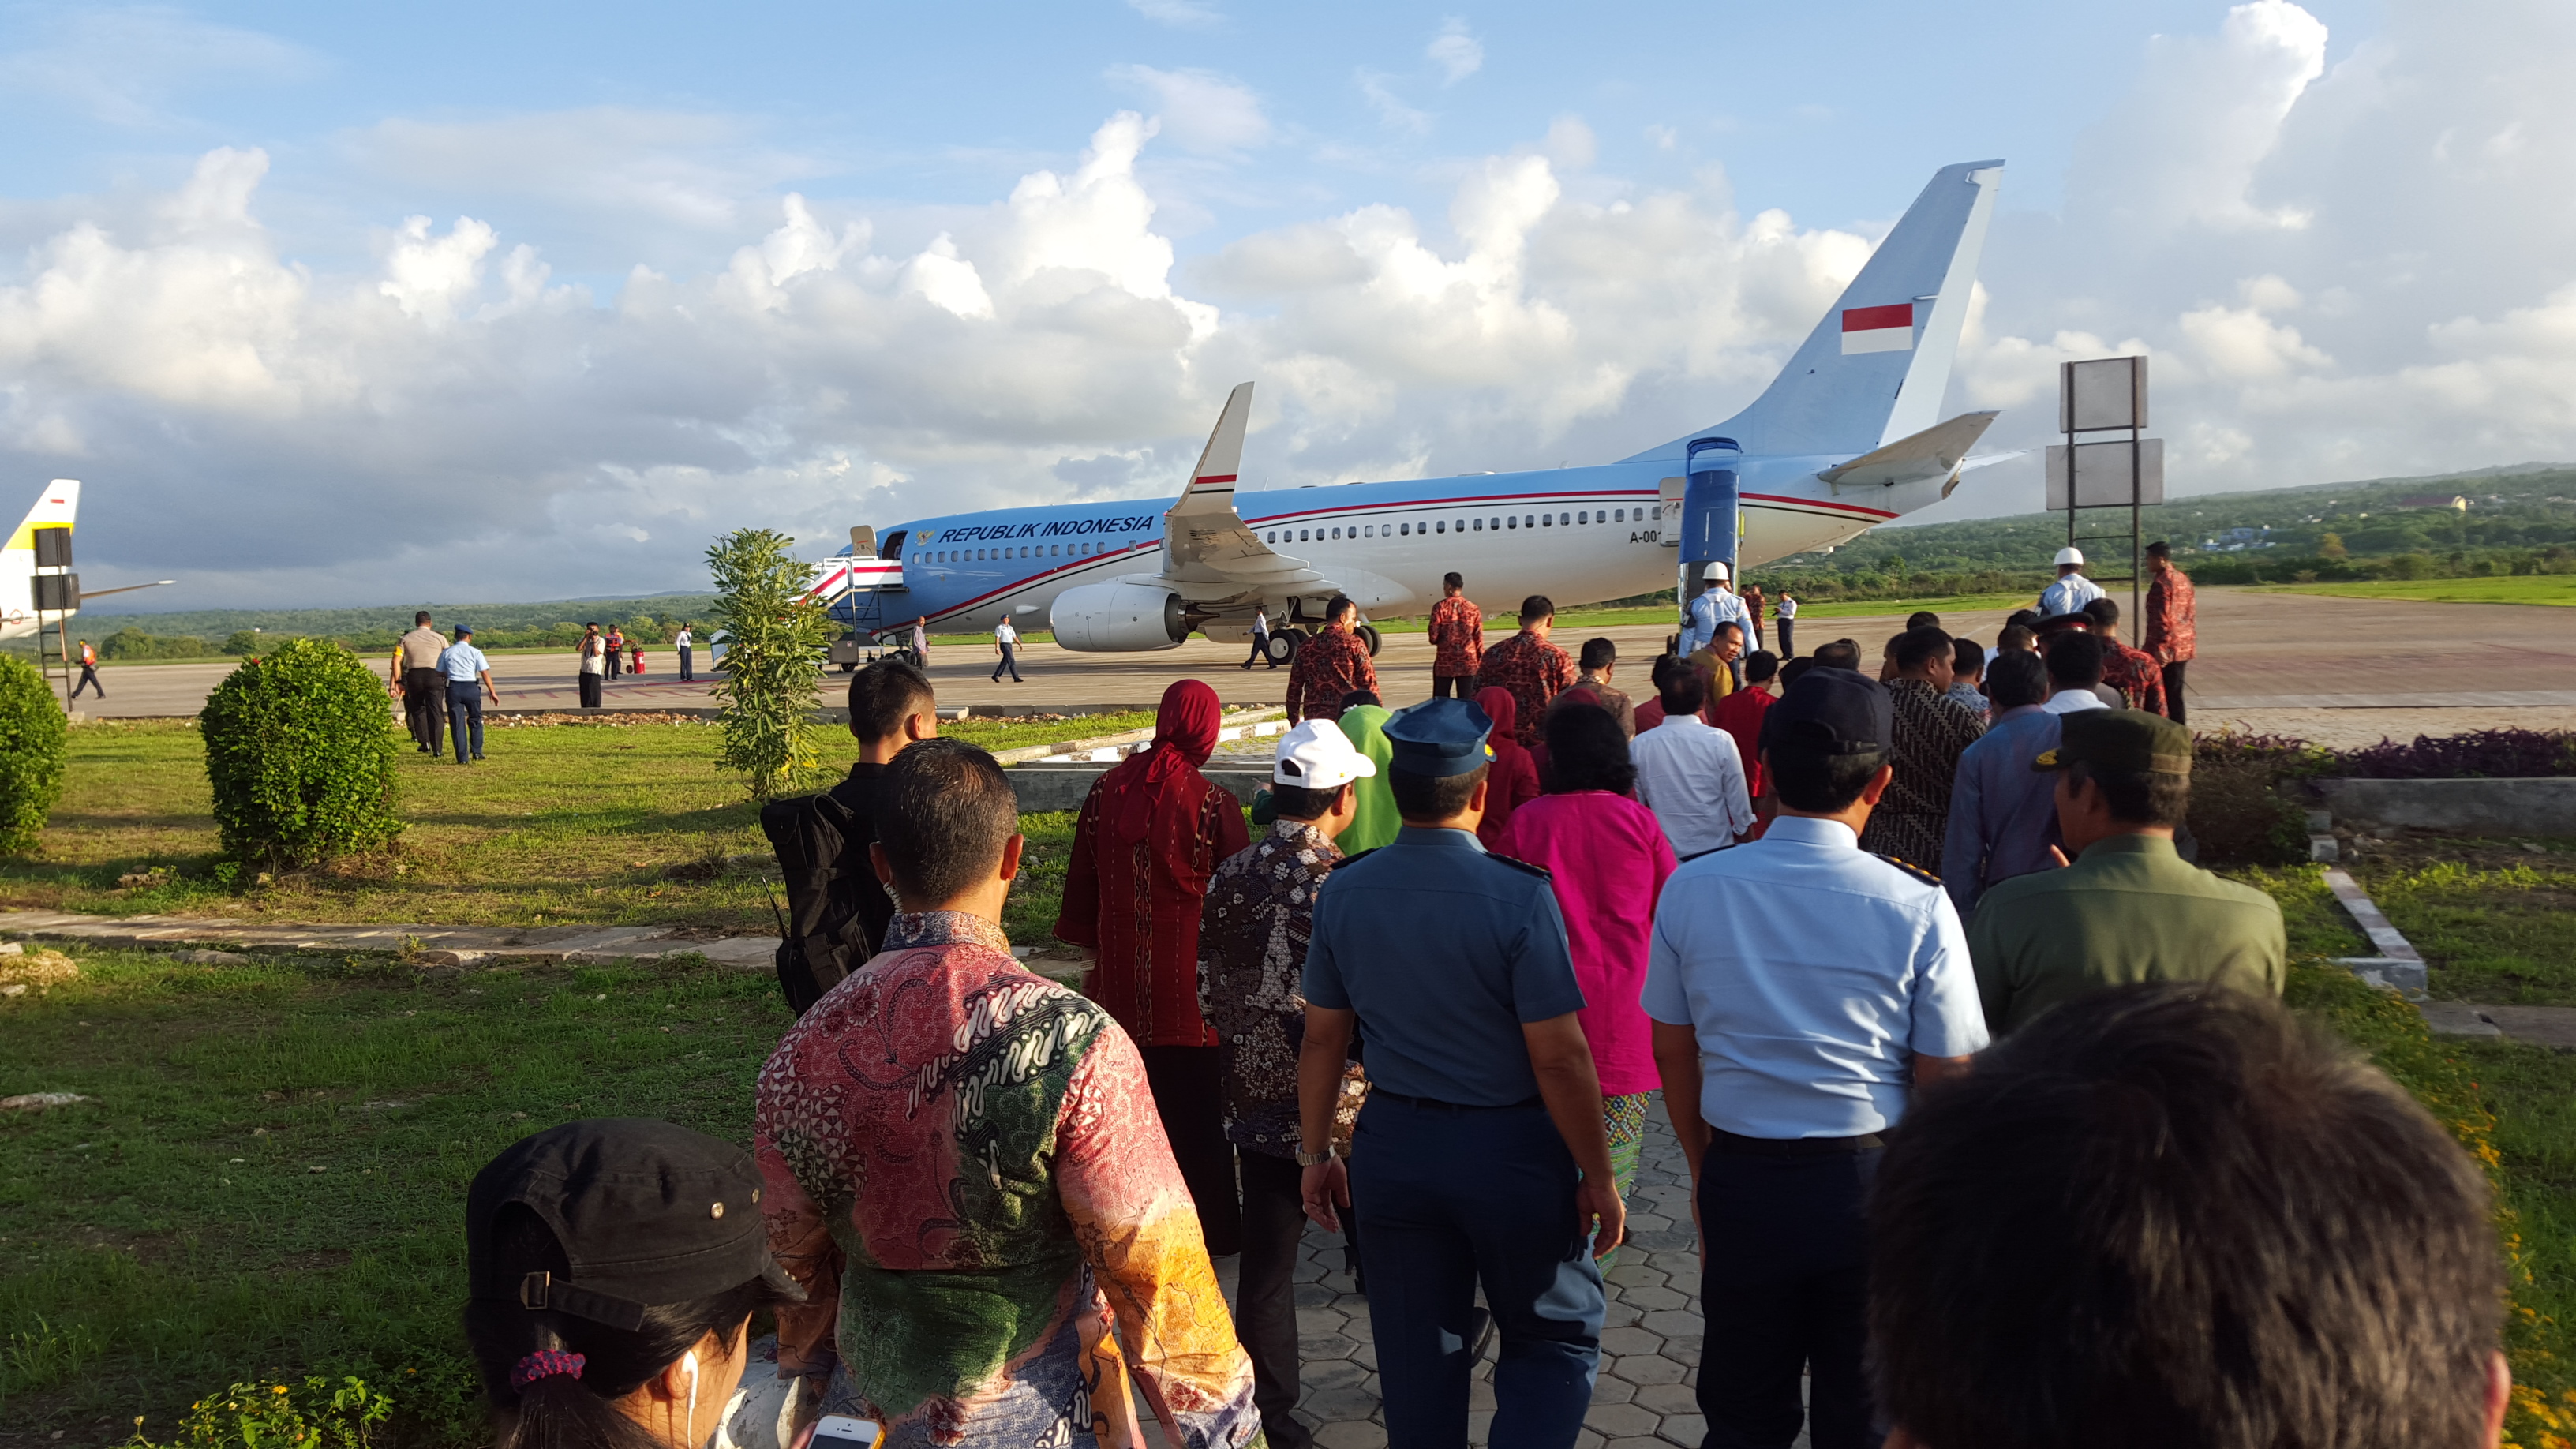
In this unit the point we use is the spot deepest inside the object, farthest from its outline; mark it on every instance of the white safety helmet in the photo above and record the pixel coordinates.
(2069, 555)
(1715, 573)
(1316, 755)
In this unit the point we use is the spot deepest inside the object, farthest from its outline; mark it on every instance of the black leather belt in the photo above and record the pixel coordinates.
(1724, 1141)
(1432, 1104)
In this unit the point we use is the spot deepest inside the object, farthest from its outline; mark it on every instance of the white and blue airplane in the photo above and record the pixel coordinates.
(1846, 437)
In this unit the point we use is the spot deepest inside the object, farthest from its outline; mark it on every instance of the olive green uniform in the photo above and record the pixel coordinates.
(2129, 909)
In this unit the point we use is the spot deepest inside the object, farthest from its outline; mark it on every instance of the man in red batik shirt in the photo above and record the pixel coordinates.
(1329, 666)
(2172, 635)
(2133, 672)
(1457, 641)
(1532, 669)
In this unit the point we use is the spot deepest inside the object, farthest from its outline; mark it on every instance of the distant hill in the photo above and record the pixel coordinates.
(215, 625)
(2525, 506)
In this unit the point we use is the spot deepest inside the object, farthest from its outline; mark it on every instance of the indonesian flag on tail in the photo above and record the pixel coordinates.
(1878, 329)
(835, 575)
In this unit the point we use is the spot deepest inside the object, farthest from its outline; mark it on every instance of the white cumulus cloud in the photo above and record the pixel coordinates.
(1198, 110)
(1457, 53)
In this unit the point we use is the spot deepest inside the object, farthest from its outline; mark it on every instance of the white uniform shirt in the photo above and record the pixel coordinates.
(594, 655)
(1812, 973)
(682, 640)
(1692, 776)
(2073, 701)
(1005, 635)
(2067, 595)
(1788, 608)
(1709, 610)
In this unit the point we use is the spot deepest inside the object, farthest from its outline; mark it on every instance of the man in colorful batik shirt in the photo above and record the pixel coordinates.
(1457, 641)
(1332, 664)
(1533, 670)
(2172, 634)
(1252, 950)
(2133, 672)
(964, 1170)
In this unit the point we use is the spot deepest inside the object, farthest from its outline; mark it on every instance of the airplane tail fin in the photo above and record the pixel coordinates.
(1875, 368)
(1211, 487)
(55, 508)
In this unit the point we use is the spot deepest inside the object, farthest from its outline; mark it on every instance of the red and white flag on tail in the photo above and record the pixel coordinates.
(1878, 329)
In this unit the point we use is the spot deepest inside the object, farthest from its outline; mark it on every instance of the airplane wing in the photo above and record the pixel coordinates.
(1935, 452)
(129, 588)
(1209, 555)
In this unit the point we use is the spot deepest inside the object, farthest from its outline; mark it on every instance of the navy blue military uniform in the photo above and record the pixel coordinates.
(1458, 1178)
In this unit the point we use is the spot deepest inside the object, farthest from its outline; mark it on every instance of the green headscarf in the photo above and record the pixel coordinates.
(1373, 818)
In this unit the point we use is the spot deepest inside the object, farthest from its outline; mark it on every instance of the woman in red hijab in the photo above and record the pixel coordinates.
(1513, 781)
(1150, 834)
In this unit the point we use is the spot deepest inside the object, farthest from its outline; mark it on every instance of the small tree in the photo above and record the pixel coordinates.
(300, 752)
(775, 635)
(32, 740)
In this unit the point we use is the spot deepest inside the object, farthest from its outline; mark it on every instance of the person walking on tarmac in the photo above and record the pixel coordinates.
(89, 672)
(1260, 639)
(1006, 642)
(2072, 591)
(423, 688)
(464, 666)
(1479, 1159)
(1333, 664)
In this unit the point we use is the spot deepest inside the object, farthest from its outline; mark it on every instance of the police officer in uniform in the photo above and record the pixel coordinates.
(1480, 1158)
(1801, 989)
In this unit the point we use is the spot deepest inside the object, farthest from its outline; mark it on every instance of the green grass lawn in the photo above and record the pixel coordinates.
(2559, 589)
(575, 824)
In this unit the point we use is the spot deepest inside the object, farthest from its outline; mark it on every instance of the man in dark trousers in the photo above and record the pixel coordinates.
(424, 689)
(1802, 990)
(2172, 634)
(594, 666)
(1480, 1159)
(89, 672)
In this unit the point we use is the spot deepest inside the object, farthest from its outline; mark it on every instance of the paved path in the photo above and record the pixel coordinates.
(430, 945)
(2259, 652)
(1649, 1343)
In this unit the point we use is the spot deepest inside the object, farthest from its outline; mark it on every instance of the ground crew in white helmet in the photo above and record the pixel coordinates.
(2072, 591)
(1715, 605)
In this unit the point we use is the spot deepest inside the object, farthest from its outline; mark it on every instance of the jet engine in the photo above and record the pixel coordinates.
(1119, 618)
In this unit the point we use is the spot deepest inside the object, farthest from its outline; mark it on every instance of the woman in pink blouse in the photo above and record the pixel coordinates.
(1608, 859)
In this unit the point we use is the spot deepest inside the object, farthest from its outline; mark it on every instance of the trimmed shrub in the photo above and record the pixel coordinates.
(773, 660)
(2480, 754)
(300, 752)
(2242, 812)
(32, 741)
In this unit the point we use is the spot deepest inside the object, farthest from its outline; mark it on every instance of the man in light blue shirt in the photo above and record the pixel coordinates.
(2072, 591)
(1713, 607)
(2003, 814)
(1801, 990)
(464, 665)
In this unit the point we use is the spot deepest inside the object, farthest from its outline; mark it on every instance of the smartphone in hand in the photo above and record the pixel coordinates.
(840, 1431)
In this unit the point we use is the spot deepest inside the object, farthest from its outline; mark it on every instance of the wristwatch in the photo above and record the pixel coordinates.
(1314, 1159)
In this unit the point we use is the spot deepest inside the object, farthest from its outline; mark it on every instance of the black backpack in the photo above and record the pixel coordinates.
(824, 935)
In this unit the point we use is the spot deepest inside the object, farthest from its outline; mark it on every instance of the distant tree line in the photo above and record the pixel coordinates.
(131, 643)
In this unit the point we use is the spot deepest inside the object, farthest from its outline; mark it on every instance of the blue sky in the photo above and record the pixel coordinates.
(609, 279)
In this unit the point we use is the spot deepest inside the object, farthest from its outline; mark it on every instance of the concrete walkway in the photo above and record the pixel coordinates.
(428, 945)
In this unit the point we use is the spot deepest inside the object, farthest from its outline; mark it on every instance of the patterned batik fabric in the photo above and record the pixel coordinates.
(1623, 1118)
(1141, 913)
(2172, 634)
(1535, 672)
(1457, 638)
(1252, 952)
(1911, 818)
(964, 1169)
(1328, 666)
(2135, 673)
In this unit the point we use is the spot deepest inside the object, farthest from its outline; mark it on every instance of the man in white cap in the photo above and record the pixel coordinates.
(1252, 949)
(1715, 605)
(2072, 591)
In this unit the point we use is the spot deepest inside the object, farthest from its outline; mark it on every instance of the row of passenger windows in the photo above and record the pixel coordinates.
(1575, 519)
(1033, 550)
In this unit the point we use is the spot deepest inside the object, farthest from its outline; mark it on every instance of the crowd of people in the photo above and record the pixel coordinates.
(1997, 1133)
